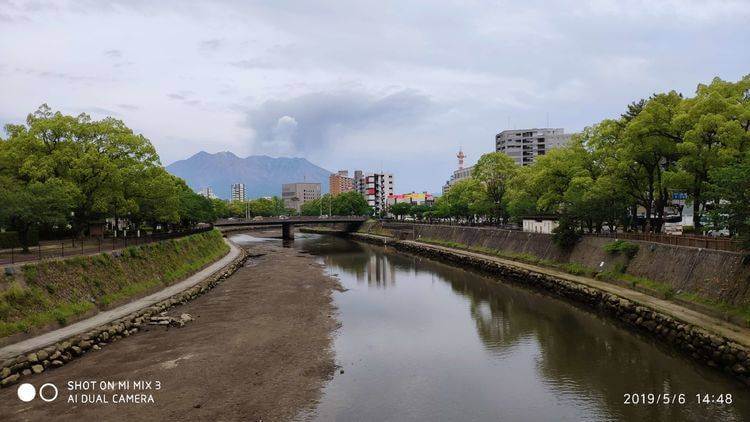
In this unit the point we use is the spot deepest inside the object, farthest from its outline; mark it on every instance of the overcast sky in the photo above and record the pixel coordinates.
(391, 85)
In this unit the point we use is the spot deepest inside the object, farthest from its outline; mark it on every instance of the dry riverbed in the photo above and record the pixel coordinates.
(259, 348)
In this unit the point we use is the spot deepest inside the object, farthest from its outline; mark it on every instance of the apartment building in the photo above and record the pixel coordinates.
(296, 194)
(207, 192)
(523, 145)
(376, 188)
(340, 182)
(237, 192)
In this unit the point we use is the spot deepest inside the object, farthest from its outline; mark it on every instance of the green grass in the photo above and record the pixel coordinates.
(742, 312)
(568, 267)
(59, 291)
(620, 246)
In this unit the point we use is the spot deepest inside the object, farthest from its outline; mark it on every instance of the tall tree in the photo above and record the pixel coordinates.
(494, 171)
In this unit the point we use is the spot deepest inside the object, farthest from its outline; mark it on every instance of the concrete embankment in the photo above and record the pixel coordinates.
(717, 276)
(709, 340)
(56, 348)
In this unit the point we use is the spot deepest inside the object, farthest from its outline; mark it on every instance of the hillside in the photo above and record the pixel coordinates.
(262, 175)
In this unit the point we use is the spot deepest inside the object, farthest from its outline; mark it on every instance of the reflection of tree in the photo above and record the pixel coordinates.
(580, 357)
(584, 356)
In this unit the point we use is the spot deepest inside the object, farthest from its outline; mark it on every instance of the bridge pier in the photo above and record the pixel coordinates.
(287, 231)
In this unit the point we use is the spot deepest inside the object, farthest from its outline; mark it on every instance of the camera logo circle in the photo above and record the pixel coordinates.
(26, 392)
(47, 395)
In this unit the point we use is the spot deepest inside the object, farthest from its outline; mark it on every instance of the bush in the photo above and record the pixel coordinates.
(620, 246)
(565, 235)
(10, 239)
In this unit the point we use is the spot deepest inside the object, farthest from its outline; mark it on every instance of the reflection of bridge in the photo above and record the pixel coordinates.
(287, 223)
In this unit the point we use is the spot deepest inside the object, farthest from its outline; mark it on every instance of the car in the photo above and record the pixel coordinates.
(283, 217)
(257, 218)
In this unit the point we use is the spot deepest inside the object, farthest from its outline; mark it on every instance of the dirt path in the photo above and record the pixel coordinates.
(258, 349)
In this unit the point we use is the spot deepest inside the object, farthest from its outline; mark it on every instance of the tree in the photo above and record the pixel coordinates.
(731, 183)
(350, 203)
(25, 205)
(494, 171)
(400, 209)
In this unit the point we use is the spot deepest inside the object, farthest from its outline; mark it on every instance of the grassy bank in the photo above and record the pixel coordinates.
(739, 314)
(60, 291)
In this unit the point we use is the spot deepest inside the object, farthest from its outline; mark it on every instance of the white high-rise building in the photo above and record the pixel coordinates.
(375, 188)
(207, 192)
(238, 192)
(523, 145)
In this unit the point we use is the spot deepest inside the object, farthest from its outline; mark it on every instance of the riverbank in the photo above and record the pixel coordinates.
(258, 348)
(44, 296)
(708, 340)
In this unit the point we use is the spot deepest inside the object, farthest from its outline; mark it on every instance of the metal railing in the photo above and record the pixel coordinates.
(53, 249)
(695, 241)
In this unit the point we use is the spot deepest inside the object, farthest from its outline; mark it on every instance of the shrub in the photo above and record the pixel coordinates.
(620, 246)
(565, 235)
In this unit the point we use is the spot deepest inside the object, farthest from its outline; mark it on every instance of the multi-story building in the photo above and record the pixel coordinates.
(207, 192)
(414, 198)
(461, 173)
(376, 187)
(523, 145)
(358, 175)
(238, 192)
(296, 194)
(340, 182)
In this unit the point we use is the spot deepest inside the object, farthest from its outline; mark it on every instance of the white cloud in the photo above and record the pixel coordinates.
(391, 84)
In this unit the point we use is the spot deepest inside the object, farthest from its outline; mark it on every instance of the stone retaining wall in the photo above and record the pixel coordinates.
(717, 275)
(63, 352)
(702, 345)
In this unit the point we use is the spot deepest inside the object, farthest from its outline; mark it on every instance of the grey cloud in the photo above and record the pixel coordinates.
(311, 122)
(212, 44)
(115, 54)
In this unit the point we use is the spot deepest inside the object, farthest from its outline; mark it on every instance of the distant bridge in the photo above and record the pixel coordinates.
(287, 223)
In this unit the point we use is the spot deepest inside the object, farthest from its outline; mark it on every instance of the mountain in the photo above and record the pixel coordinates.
(262, 175)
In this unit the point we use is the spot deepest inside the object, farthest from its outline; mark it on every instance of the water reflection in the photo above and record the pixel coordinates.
(449, 344)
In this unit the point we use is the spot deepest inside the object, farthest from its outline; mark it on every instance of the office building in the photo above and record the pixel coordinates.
(340, 182)
(523, 145)
(238, 192)
(296, 194)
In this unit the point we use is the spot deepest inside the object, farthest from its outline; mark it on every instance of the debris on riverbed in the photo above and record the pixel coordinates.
(164, 319)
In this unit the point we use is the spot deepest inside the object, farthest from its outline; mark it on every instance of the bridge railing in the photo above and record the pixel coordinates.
(289, 220)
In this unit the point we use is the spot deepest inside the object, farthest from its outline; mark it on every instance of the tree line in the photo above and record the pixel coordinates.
(64, 172)
(624, 173)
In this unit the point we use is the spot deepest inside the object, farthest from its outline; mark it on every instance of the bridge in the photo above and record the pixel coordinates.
(287, 223)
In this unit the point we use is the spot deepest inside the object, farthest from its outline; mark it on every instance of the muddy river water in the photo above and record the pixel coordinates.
(422, 340)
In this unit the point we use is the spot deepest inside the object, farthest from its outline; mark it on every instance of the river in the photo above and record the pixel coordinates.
(422, 340)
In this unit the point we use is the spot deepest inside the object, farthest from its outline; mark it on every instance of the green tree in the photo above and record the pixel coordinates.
(400, 209)
(25, 205)
(495, 171)
(350, 203)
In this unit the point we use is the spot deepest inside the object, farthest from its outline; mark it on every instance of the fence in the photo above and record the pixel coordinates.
(51, 249)
(706, 242)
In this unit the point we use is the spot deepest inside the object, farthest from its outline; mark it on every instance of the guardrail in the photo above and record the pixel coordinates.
(71, 246)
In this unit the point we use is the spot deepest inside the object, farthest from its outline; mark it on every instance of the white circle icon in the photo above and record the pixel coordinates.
(48, 398)
(26, 392)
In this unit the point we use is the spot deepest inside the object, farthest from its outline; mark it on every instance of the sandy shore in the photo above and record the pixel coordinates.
(258, 349)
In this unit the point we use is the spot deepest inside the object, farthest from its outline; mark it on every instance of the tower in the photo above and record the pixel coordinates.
(460, 157)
